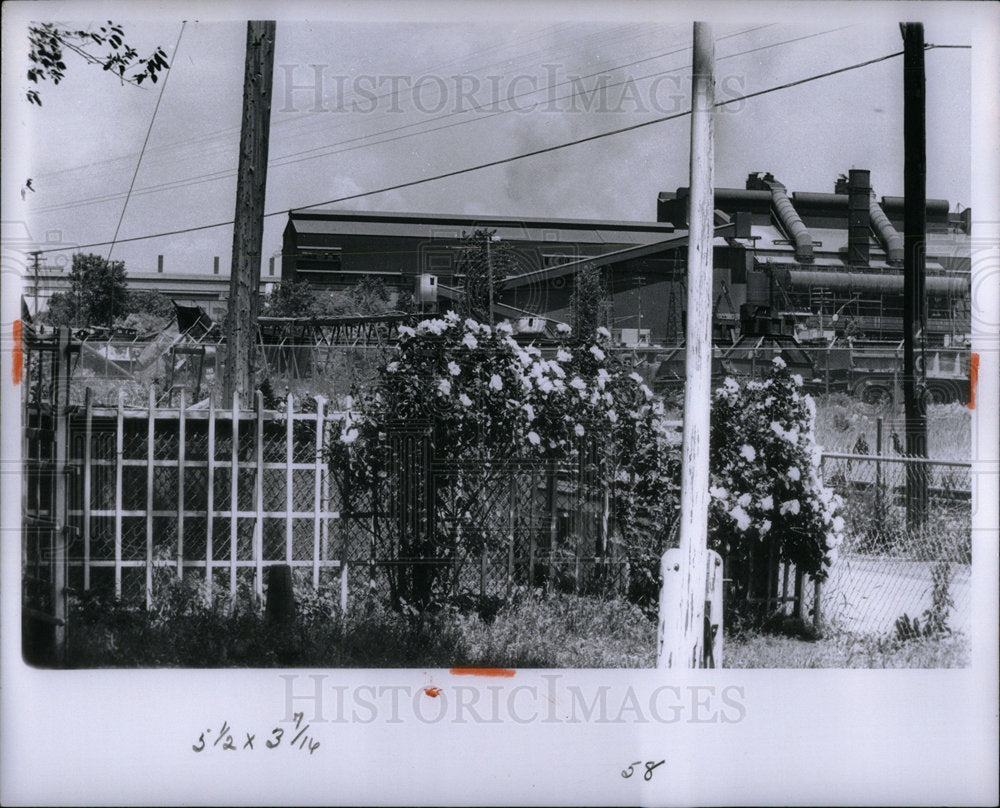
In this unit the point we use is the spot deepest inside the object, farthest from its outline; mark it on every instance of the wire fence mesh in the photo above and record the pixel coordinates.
(900, 561)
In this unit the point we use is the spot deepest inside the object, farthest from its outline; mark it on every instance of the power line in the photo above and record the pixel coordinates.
(149, 131)
(297, 157)
(503, 160)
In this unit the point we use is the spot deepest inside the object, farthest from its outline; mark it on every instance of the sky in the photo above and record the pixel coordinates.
(362, 102)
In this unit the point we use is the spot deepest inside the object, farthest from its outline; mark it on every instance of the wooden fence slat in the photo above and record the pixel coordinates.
(210, 501)
(319, 505)
(289, 457)
(233, 491)
(150, 433)
(119, 452)
(258, 535)
(181, 438)
(87, 438)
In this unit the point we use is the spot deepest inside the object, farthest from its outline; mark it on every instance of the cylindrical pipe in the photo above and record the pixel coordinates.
(888, 236)
(792, 223)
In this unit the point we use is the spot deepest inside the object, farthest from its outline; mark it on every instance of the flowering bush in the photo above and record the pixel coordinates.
(477, 400)
(766, 488)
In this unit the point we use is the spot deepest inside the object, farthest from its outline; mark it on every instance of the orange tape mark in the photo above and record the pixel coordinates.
(17, 354)
(433, 692)
(506, 672)
(973, 379)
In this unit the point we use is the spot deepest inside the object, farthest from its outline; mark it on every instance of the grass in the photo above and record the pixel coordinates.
(534, 631)
(846, 650)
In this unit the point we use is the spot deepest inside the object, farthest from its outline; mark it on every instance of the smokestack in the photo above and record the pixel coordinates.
(859, 220)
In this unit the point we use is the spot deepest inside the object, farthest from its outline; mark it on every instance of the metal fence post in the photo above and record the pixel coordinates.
(87, 458)
(210, 501)
(181, 458)
(258, 493)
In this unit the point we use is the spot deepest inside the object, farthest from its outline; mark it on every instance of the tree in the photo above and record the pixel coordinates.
(484, 261)
(100, 288)
(589, 303)
(49, 43)
(291, 299)
(60, 311)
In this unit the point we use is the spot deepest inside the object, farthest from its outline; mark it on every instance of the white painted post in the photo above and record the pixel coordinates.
(119, 452)
(258, 531)
(210, 501)
(88, 438)
(289, 457)
(674, 575)
(318, 504)
(181, 438)
(233, 491)
(150, 479)
(682, 620)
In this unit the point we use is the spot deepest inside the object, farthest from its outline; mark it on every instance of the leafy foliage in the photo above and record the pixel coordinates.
(590, 304)
(484, 263)
(299, 299)
(481, 401)
(100, 287)
(766, 490)
(48, 43)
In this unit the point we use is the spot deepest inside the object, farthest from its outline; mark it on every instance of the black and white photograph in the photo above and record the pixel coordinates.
(508, 404)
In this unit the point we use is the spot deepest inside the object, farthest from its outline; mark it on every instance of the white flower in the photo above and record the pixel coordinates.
(392, 367)
(612, 416)
(767, 503)
(602, 377)
(349, 436)
(505, 328)
(765, 526)
(748, 452)
(472, 325)
(533, 438)
(791, 506)
(452, 316)
(838, 524)
(794, 474)
(646, 391)
(529, 410)
(562, 355)
(563, 328)
(557, 370)
(406, 331)
(544, 384)
(744, 500)
(741, 517)
(603, 332)
(470, 341)
(597, 352)
(464, 400)
(577, 383)
(779, 362)
(797, 379)
(444, 386)
(635, 377)
(454, 369)
(718, 492)
(495, 382)
(578, 429)
(730, 385)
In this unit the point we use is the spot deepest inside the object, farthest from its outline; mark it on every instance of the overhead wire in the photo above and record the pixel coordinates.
(504, 160)
(145, 142)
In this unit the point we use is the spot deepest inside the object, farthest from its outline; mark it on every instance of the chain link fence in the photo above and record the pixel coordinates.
(905, 564)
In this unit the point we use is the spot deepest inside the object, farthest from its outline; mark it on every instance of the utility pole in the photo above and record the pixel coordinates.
(35, 255)
(685, 572)
(248, 227)
(915, 230)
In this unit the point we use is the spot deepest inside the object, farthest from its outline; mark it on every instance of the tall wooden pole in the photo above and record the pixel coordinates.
(682, 613)
(915, 229)
(248, 227)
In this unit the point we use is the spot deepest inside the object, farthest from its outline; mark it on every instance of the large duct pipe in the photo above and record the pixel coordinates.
(890, 238)
(789, 219)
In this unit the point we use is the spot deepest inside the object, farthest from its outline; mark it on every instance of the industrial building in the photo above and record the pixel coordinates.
(831, 263)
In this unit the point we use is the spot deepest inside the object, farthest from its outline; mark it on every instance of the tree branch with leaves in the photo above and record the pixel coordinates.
(106, 47)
